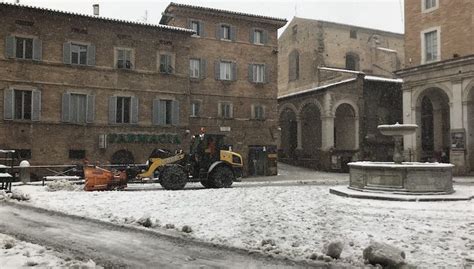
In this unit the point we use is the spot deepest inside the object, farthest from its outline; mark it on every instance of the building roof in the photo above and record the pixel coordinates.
(165, 16)
(350, 26)
(317, 88)
(98, 18)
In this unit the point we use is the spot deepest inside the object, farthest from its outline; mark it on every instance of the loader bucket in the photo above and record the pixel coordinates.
(99, 179)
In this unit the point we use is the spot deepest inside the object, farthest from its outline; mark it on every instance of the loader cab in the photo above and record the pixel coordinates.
(207, 147)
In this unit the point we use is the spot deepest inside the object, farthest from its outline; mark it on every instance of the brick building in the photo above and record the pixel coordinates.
(335, 86)
(77, 86)
(439, 80)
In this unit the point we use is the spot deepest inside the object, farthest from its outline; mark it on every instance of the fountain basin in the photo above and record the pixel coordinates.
(397, 129)
(406, 178)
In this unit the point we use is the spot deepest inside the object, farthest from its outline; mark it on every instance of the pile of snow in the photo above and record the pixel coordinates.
(62, 185)
(14, 195)
(20, 254)
(294, 221)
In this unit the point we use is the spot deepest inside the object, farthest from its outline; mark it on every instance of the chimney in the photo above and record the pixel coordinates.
(96, 9)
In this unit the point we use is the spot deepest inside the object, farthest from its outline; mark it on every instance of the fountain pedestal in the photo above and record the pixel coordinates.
(398, 176)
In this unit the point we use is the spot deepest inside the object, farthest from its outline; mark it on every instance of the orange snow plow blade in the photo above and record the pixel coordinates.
(99, 179)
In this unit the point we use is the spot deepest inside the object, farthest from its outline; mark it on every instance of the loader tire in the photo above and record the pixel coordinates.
(207, 183)
(173, 177)
(222, 177)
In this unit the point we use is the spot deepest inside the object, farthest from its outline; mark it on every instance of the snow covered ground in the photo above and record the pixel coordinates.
(20, 254)
(299, 218)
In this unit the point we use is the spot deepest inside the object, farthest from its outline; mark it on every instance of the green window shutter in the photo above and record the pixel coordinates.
(67, 53)
(90, 109)
(36, 106)
(113, 109)
(251, 73)
(91, 55)
(156, 112)
(66, 113)
(266, 71)
(264, 37)
(234, 71)
(203, 68)
(252, 35)
(217, 70)
(202, 33)
(233, 33)
(175, 113)
(37, 49)
(219, 31)
(8, 104)
(10, 46)
(134, 110)
(162, 113)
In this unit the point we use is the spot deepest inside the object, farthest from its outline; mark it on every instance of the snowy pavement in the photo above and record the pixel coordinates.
(299, 218)
(20, 254)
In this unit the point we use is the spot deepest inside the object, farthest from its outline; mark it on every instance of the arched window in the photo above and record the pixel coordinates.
(294, 66)
(352, 61)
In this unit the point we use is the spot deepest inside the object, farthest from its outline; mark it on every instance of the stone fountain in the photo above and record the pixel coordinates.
(401, 177)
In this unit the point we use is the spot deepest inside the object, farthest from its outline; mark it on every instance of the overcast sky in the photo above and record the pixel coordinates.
(379, 14)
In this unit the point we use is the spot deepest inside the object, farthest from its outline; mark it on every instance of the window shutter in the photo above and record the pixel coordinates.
(203, 68)
(202, 33)
(91, 55)
(67, 53)
(113, 109)
(234, 71)
(90, 109)
(231, 107)
(251, 73)
(37, 49)
(36, 106)
(134, 110)
(252, 35)
(233, 33)
(175, 113)
(8, 104)
(156, 112)
(217, 69)
(219, 31)
(162, 113)
(252, 113)
(264, 37)
(66, 113)
(190, 24)
(266, 71)
(10, 46)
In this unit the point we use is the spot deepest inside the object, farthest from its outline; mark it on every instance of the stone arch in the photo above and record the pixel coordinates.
(419, 91)
(345, 101)
(311, 127)
(287, 106)
(468, 92)
(308, 102)
(433, 118)
(346, 126)
(122, 156)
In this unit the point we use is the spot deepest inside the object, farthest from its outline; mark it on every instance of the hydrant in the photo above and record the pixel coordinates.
(25, 171)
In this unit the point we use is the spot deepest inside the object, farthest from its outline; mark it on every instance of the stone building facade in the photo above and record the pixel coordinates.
(335, 86)
(438, 82)
(76, 86)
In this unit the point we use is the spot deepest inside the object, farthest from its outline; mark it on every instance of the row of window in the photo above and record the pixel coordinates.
(82, 54)
(25, 154)
(80, 108)
(228, 32)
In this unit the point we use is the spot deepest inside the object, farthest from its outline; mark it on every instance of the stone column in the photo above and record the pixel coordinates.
(409, 117)
(457, 115)
(327, 126)
(299, 133)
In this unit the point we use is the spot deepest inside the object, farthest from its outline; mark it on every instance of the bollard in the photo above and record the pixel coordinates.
(25, 171)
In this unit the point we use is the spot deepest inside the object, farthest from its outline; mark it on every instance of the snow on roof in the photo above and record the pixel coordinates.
(387, 49)
(382, 79)
(158, 26)
(227, 12)
(317, 88)
(340, 70)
